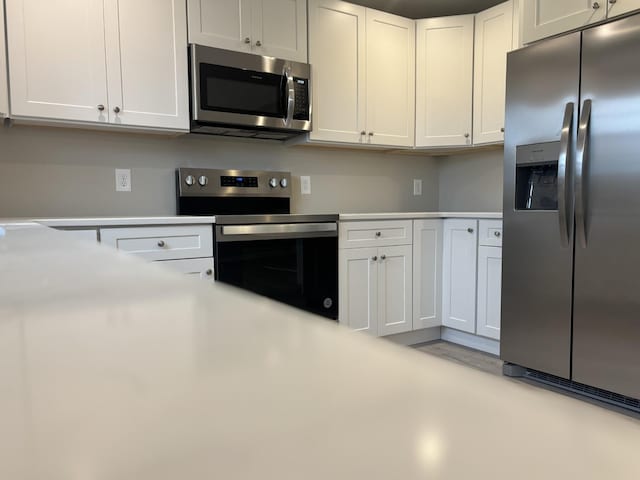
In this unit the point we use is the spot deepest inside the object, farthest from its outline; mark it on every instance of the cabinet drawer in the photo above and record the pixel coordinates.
(375, 234)
(490, 233)
(162, 243)
(193, 267)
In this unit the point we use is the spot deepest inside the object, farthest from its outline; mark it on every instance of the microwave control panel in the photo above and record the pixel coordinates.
(301, 89)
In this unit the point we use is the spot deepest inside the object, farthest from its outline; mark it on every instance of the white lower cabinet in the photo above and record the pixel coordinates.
(489, 291)
(427, 273)
(459, 274)
(4, 88)
(375, 282)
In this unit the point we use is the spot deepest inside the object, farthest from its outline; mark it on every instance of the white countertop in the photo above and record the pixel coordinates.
(124, 221)
(418, 215)
(114, 369)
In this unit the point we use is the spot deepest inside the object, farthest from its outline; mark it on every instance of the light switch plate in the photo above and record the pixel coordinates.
(305, 185)
(123, 180)
(417, 186)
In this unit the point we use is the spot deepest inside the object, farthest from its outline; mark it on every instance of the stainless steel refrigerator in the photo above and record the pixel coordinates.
(571, 251)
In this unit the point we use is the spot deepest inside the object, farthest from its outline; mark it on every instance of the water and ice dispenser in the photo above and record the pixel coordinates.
(537, 176)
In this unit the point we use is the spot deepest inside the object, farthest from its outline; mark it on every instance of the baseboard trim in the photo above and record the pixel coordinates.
(415, 337)
(483, 344)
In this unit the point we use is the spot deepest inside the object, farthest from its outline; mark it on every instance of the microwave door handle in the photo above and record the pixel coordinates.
(291, 97)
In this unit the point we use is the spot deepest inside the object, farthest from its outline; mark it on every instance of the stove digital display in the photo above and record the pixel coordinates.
(250, 182)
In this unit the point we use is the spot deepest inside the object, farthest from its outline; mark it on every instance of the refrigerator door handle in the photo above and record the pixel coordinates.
(563, 165)
(582, 158)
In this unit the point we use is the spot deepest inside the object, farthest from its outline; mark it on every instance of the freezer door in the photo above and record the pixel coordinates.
(606, 325)
(541, 117)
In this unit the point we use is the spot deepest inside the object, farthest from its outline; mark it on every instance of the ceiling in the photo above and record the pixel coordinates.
(428, 8)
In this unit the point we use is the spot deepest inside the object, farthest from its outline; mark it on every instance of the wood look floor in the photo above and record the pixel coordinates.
(464, 356)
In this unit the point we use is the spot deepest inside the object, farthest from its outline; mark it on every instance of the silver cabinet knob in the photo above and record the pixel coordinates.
(383, 257)
(101, 107)
(596, 5)
(247, 40)
(371, 134)
(209, 272)
(202, 180)
(161, 243)
(374, 258)
(273, 182)
(497, 234)
(258, 43)
(466, 135)
(116, 109)
(378, 234)
(470, 230)
(612, 1)
(363, 132)
(190, 180)
(502, 129)
(284, 183)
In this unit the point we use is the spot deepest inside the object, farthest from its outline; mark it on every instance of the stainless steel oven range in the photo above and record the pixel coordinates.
(259, 245)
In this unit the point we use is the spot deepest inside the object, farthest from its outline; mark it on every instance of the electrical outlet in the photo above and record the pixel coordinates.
(305, 185)
(123, 180)
(417, 186)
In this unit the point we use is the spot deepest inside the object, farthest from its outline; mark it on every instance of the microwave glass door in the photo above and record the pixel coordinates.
(235, 90)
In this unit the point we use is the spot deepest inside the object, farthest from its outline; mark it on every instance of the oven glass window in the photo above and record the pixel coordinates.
(299, 272)
(234, 90)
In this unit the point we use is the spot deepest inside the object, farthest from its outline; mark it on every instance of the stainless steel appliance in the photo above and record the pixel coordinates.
(244, 95)
(571, 256)
(259, 245)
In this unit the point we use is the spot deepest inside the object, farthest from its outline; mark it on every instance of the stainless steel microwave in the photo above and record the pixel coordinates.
(244, 95)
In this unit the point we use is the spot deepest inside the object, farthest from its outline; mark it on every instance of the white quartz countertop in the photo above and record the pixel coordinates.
(115, 369)
(94, 222)
(418, 215)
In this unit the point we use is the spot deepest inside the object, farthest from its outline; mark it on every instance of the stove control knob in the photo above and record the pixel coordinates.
(273, 182)
(202, 180)
(189, 180)
(284, 183)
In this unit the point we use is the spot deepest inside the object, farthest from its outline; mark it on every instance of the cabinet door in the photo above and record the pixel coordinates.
(544, 18)
(279, 29)
(57, 59)
(427, 273)
(4, 91)
(493, 39)
(395, 290)
(459, 274)
(390, 79)
(147, 63)
(221, 23)
(336, 53)
(359, 289)
(622, 6)
(444, 85)
(489, 291)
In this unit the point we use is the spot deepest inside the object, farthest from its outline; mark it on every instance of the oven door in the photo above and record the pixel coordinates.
(234, 88)
(296, 264)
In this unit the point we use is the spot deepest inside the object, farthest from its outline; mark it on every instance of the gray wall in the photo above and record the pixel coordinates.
(48, 172)
(471, 182)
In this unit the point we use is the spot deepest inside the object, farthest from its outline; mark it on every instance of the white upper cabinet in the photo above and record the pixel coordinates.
(275, 28)
(122, 62)
(147, 63)
(390, 77)
(444, 82)
(4, 90)
(622, 6)
(336, 55)
(544, 18)
(459, 278)
(363, 69)
(493, 40)
(57, 59)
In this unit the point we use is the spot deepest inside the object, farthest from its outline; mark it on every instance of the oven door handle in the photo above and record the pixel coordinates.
(240, 233)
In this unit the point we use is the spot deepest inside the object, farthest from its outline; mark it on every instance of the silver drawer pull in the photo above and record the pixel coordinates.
(378, 234)
(497, 234)
(470, 230)
(374, 258)
(383, 257)
(209, 272)
(161, 244)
